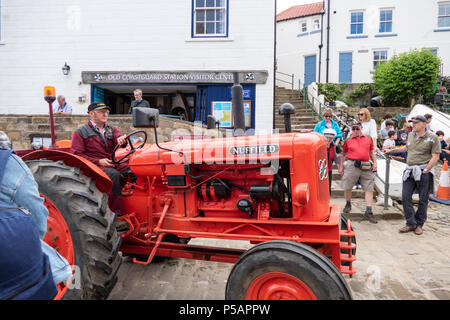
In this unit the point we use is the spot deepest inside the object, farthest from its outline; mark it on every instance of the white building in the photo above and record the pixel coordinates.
(179, 52)
(361, 34)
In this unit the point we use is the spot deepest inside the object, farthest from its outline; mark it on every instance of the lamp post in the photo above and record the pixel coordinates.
(50, 96)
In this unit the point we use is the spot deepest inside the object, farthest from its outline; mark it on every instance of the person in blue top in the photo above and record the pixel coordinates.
(62, 107)
(329, 123)
(18, 188)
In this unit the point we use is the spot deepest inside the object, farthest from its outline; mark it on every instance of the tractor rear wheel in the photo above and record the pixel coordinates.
(94, 240)
(285, 270)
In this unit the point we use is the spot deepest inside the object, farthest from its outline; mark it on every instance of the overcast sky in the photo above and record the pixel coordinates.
(284, 4)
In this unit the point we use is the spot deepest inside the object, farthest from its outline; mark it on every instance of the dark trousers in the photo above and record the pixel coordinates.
(115, 195)
(416, 218)
(444, 156)
(330, 177)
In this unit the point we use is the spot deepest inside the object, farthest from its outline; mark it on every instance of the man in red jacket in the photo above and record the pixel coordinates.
(95, 141)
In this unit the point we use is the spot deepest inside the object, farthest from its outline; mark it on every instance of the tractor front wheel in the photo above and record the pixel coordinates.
(76, 204)
(285, 270)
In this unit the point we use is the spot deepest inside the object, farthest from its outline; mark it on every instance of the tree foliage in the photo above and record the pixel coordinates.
(406, 77)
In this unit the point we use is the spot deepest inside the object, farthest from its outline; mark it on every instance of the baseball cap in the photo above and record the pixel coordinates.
(329, 133)
(355, 124)
(97, 106)
(417, 119)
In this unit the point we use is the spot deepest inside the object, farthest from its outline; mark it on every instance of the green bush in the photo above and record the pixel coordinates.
(332, 91)
(360, 91)
(406, 77)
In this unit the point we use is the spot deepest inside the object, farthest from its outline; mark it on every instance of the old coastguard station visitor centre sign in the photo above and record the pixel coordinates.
(257, 77)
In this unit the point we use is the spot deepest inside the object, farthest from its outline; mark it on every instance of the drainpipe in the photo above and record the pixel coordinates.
(328, 39)
(322, 12)
(274, 64)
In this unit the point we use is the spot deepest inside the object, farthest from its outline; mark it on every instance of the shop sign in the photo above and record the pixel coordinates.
(257, 77)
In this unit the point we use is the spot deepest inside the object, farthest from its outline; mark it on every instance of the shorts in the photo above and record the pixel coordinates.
(353, 174)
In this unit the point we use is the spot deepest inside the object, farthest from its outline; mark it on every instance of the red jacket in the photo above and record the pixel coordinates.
(331, 153)
(89, 144)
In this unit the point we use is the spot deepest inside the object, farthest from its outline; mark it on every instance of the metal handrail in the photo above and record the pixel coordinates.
(386, 178)
(171, 116)
(286, 74)
(306, 102)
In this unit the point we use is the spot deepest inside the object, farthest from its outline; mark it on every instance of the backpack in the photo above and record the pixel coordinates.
(24, 269)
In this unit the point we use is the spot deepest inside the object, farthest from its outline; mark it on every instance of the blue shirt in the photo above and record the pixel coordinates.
(64, 108)
(19, 187)
(322, 125)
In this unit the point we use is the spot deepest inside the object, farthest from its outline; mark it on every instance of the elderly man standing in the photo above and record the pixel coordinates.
(138, 102)
(423, 149)
(357, 152)
(62, 107)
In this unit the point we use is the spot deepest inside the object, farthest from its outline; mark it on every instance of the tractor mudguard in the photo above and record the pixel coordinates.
(102, 181)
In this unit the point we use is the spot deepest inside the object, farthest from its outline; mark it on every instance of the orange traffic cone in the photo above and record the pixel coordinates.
(443, 191)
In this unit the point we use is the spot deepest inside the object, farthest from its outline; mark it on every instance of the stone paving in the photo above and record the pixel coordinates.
(391, 266)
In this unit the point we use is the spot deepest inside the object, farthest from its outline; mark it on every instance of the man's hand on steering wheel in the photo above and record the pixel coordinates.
(122, 140)
(126, 139)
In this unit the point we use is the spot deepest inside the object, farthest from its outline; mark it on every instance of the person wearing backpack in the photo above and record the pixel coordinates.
(29, 268)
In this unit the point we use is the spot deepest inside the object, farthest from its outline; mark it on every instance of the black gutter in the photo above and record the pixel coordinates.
(274, 63)
(328, 39)
(322, 12)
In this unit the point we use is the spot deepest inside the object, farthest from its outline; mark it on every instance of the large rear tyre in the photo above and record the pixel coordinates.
(91, 223)
(285, 270)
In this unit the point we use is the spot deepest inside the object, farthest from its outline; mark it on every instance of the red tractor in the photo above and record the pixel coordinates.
(269, 190)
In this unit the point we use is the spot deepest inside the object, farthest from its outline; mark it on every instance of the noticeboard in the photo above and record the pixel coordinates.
(223, 112)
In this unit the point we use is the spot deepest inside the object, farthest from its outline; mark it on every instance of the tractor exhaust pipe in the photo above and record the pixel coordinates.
(287, 109)
(237, 101)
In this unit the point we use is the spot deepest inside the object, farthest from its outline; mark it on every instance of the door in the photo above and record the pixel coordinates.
(345, 67)
(310, 69)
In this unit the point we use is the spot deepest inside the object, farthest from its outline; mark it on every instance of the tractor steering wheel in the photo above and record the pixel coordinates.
(133, 149)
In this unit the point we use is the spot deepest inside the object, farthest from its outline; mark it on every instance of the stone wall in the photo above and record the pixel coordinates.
(22, 128)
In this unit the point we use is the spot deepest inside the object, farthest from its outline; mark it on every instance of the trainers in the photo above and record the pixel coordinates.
(370, 217)
(347, 208)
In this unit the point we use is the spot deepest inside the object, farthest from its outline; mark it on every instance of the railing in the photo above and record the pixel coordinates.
(171, 116)
(291, 76)
(386, 178)
(306, 95)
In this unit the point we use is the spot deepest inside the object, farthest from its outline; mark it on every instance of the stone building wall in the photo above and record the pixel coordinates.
(22, 128)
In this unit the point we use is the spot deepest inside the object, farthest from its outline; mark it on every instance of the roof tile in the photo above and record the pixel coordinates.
(300, 11)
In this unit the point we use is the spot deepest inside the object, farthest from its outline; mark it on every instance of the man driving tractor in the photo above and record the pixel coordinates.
(95, 141)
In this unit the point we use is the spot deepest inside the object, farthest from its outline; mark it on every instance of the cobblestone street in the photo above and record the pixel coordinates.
(390, 265)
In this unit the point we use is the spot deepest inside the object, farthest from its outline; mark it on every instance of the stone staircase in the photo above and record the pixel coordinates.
(301, 120)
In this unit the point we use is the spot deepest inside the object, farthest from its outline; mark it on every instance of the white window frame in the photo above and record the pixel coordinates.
(357, 23)
(443, 16)
(375, 62)
(196, 10)
(316, 26)
(391, 21)
(300, 26)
